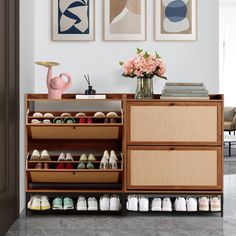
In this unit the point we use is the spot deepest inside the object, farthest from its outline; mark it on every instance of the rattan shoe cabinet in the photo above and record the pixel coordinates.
(165, 148)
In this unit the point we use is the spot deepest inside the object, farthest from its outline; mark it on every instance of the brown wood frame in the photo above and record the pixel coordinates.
(218, 187)
(218, 104)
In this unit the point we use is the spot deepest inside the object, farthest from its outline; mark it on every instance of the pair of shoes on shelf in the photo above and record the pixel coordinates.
(36, 156)
(41, 165)
(83, 120)
(83, 206)
(40, 115)
(83, 158)
(65, 204)
(39, 203)
(109, 161)
(206, 204)
(161, 205)
(37, 121)
(66, 120)
(134, 203)
(67, 157)
(107, 203)
(110, 120)
(100, 114)
(67, 166)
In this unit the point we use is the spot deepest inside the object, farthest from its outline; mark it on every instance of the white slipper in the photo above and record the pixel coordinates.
(35, 156)
(48, 115)
(45, 156)
(36, 121)
(37, 114)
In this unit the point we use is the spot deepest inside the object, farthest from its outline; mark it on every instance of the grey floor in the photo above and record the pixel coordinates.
(139, 225)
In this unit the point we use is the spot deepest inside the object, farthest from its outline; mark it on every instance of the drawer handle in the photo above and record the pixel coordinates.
(73, 173)
(172, 104)
(172, 149)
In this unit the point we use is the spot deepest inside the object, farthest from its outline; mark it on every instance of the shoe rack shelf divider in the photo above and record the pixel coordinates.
(169, 149)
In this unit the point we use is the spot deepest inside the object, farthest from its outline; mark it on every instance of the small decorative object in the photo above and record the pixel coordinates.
(144, 67)
(73, 20)
(56, 85)
(125, 20)
(90, 90)
(176, 20)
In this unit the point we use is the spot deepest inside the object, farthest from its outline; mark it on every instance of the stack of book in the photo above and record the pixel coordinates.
(185, 91)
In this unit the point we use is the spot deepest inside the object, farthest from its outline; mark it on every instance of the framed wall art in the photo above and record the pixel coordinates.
(175, 20)
(73, 20)
(124, 20)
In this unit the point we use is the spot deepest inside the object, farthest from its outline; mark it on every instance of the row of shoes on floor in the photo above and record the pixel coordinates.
(108, 161)
(67, 118)
(190, 204)
(106, 203)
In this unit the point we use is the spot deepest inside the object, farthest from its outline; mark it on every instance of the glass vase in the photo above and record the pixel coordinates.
(144, 88)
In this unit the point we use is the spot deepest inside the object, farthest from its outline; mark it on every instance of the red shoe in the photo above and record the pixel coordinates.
(69, 166)
(82, 120)
(89, 121)
(60, 166)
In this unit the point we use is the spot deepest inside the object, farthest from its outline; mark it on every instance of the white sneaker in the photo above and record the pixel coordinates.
(143, 204)
(156, 204)
(45, 156)
(29, 204)
(36, 203)
(35, 156)
(113, 160)
(69, 157)
(166, 204)
(92, 204)
(104, 203)
(115, 203)
(45, 205)
(61, 157)
(191, 204)
(180, 204)
(104, 164)
(81, 204)
(203, 203)
(132, 203)
(215, 204)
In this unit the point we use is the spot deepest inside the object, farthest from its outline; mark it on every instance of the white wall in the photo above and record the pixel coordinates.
(186, 61)
(26, 78)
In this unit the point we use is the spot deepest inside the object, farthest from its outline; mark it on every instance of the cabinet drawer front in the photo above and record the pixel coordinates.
(175, 124)
(178, 169)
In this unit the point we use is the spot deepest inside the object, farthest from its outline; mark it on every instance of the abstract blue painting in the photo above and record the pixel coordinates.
(73, 19)
(176, 18)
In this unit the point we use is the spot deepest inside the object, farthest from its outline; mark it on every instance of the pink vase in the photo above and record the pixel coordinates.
(57, 85)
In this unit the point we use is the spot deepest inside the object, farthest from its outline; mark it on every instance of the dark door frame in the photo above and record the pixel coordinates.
(9, 72)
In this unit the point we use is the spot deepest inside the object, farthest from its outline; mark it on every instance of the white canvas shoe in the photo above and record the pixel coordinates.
(115, 204)
(36, 203)
(92, 204)
(45, 205)
(143, 204)
(61, 157)
(156, 204)
(166, 204)
(191, 204)
(180, 204)
(104, 164)
(35, 156)
(104, 203)
(203, 204)
(36, 121)
(45, 156)
(132, 203)
(81, 204)
(215, 204)
(69, 157)
(37, 114)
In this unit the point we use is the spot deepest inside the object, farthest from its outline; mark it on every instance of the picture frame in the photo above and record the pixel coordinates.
(175, 21)
(73, 20)
(125, 20)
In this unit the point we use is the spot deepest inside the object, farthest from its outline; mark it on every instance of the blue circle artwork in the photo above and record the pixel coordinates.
(176, 11)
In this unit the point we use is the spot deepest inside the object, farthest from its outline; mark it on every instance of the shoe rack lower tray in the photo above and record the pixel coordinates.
(74, 176)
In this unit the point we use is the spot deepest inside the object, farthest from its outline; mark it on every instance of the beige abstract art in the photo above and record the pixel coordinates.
(125, 19)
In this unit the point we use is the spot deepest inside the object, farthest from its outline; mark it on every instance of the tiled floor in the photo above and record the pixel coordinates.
(138, 225)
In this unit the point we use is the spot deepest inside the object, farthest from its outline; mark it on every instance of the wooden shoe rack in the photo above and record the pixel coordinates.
(165, 148)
